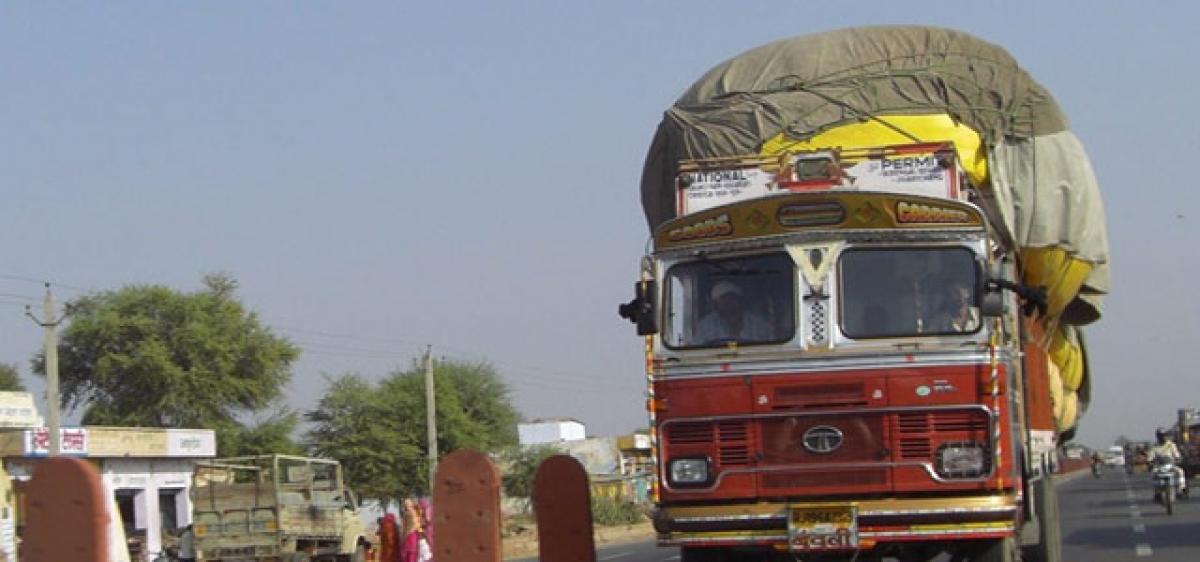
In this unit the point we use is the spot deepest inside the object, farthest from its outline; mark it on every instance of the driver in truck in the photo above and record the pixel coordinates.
(729, 319)
(960, 314)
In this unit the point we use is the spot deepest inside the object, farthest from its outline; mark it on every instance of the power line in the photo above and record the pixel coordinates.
(508, 377)
(28, 279)
(558, 374)
(348, 336)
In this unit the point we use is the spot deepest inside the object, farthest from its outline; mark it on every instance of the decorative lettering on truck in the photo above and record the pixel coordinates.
(918, 213)
(710, 228)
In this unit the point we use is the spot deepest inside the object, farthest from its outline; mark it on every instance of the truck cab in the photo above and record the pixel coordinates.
(834, 369)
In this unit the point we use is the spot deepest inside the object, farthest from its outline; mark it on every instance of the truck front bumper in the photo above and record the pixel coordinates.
(878, 521)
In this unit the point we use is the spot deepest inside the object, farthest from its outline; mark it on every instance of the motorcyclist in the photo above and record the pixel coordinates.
(1165, 450)
(1097, 463)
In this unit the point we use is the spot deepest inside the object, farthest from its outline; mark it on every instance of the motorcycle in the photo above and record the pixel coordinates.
(1168, 488)
(1096, 469)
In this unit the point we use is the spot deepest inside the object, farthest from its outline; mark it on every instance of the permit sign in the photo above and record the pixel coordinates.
(707, 188)
(925, 169)
(919, 169)
(825, 527)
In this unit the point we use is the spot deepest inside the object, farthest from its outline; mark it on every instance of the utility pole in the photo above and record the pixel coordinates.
(430, 416)
(51, 351)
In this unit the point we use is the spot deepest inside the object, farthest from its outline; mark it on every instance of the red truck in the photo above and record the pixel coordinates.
(849, 354)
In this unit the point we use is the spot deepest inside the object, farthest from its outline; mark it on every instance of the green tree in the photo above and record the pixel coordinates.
(147, 355)
(523, 463)
(264, 436)
(378, 430)
(10, 379)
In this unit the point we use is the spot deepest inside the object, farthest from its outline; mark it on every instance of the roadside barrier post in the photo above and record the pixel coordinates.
(563, 504)
(67, 519)
(467, 518)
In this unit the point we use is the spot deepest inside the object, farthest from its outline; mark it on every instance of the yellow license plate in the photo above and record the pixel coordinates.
(833, 527)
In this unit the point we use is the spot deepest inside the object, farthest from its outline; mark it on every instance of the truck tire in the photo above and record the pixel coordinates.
(1049, 546)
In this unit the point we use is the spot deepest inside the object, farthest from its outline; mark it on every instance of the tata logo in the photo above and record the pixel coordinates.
(822, 439)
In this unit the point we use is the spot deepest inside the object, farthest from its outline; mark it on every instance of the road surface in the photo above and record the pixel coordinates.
(1108, 519)
(1114, 518)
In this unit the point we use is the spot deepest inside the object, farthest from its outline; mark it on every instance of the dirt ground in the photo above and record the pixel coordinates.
(523, 544)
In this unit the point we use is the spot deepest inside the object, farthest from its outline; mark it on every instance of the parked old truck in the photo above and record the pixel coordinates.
(275, 507)
(872, 254)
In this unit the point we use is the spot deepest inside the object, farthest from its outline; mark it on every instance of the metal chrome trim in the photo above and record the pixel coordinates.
(856, 235)
(718, 364)
(822, 439)
(998, 510)
(926, 465)
(745, 537)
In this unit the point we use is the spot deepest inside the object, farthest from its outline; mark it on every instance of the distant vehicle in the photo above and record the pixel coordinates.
(1115, 456)
(1074, 451)
(275, 507)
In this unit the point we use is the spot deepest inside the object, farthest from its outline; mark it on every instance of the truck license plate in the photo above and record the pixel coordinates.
(832, 527)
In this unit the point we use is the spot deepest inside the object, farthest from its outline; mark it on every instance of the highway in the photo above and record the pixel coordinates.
(1109, 519)
(1114, 518)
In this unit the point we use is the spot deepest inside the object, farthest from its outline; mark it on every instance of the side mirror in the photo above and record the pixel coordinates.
(641, 310)
(991, 297)
(991, 305)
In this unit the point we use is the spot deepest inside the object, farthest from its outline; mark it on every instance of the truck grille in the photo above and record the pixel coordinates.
(845, 477)
(826, 395)
(731, 439)
(917, 431)
(862, 439)
(690, 433)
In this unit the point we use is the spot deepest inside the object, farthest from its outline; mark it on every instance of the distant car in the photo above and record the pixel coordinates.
(1115, 456)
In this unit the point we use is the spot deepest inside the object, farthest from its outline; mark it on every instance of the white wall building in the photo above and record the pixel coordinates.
(553, 430)
(146, 471)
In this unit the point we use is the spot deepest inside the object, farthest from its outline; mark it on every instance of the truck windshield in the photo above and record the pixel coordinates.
(744, 300)
(889, 293)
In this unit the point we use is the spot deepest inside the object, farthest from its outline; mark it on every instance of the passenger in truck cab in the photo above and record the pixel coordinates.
(730, 319)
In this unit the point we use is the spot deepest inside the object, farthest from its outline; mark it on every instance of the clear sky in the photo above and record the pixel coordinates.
(379, 176)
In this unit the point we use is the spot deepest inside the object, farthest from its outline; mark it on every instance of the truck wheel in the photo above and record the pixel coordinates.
(1049, 546)
(1001, 550)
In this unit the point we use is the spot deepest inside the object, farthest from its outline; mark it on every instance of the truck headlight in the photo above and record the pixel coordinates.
(962, 460)
(688, 471)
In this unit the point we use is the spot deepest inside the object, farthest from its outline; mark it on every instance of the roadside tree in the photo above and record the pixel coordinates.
(147, 355)
(263, 436)
(10, 379)
(522, 464)
(378, 430)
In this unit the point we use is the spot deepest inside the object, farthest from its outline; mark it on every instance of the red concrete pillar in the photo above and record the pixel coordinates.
(562, 501)
(466, 502)
(67, 516)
